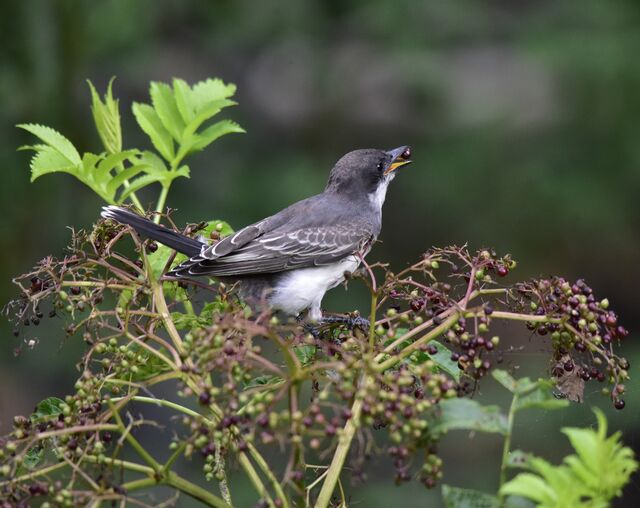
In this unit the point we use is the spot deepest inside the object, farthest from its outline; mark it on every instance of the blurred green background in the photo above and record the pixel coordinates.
(523, 117)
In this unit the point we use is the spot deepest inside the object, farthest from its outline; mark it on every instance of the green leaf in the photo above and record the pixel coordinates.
(137, 184)
(204, 92)
(55, 140)
(207, 112)
(532, 487)
(150, 123)
(213, 132)
(47, 408)
(106, 165)
(33, 457)
(158, 260)
(442, 359)
(466, 414)
(267, 379)
(165, 105)
(540, 395)
(106, 116)
(184, 102)
(123, 176)
(455, 497)
(591, 478)
(505, 379)
(306, 354)
(47, 160)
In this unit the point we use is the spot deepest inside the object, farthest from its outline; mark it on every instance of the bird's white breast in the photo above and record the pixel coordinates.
(300, 289)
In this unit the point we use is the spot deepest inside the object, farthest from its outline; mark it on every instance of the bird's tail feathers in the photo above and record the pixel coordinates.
(165, 236)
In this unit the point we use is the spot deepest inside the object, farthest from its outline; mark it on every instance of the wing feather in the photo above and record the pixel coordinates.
(251, 251)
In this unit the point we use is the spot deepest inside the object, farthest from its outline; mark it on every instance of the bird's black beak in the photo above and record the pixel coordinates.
(400, 156)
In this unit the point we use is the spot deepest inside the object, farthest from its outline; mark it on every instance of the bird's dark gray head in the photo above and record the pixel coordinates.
(367, 172)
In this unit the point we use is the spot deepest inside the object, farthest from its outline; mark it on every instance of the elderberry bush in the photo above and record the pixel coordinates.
(260, 385)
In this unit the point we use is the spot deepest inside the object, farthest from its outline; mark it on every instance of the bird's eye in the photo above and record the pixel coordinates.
(379, 166)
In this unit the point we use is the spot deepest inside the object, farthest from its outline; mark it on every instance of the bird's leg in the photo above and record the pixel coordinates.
(308, 326)
(352, 321)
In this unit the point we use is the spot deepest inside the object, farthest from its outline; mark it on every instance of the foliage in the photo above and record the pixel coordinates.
(591, 478)
(176, 123)
(236, 377)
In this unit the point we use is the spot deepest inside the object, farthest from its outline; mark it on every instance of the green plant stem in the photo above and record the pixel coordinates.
(372, 320)
(132, 196)
(124, 464)
(135, 444)
(179, 483)
(163, 310)
(193, 490)
(266, 469)
(255, 479)
(35, 474)
(339, 456)
(507, 443)
(168, 478)
(162, 199)
(161, 402)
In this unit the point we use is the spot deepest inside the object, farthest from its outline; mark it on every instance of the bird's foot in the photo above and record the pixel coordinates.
(316, 328)
(351, 321)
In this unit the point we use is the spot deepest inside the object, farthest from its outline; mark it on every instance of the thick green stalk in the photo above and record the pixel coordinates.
(340, 455)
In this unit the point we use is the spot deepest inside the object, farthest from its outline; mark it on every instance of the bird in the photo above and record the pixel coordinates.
(292, 258)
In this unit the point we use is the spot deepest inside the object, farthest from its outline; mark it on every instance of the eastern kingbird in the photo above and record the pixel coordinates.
(294, 257)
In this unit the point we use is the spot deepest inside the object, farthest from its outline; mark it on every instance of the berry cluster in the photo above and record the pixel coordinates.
(583, 331)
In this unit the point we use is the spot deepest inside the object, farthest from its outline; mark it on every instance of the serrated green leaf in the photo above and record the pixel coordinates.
(209, 90)
(454, 497)
(165, 105)
(532, 487)
(113, 160)
(47, 408)
(182, 94)
(106, 116)
(442, 359)
(116, 181)
(591, 478)
(267, 379)
(207, 112)
(33, 457)
(137, 184)
(305, 354)
(505, 379)
(467, 414)
(213, 132)
(48, 160)
(55, 140)
(150, 123)
(155, 163)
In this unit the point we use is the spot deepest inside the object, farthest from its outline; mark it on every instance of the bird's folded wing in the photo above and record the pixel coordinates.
(278, 251)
